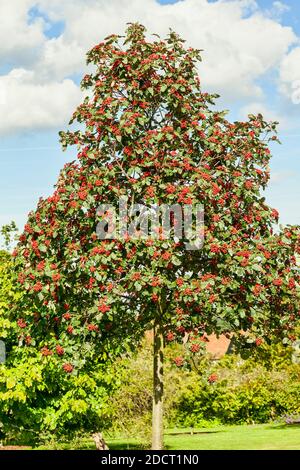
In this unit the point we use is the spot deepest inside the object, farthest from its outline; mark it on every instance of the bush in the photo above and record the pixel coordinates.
(8, 296)
(231, 391)
(40, 402)
(255, 390)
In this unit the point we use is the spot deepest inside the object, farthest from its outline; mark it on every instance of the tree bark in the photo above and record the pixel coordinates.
(158, 389)
(99, 441)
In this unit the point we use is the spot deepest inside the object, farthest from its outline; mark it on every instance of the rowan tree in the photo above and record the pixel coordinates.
(147, 132)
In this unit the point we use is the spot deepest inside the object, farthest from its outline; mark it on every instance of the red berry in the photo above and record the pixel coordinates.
(59, 350)
(68, 367)
(195, 348)
(46, 351)
(179, 361)
(170, 336)
(21, 323)
(212, 378)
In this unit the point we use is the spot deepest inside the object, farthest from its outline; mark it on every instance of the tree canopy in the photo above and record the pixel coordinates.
(147, 132)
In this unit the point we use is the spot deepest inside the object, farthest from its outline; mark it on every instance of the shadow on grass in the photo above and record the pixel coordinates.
(124, 446)
(283, 426)
(189, 433)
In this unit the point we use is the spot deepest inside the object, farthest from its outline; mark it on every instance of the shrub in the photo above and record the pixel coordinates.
(231, 391)
(244, 391)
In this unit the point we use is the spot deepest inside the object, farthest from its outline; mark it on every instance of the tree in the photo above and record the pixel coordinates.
(148, 133)
(8, 233)
(9, 293)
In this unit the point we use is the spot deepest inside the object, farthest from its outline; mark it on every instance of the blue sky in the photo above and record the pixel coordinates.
(251, 57)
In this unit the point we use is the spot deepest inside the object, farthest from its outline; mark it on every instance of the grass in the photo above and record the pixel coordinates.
(256, 437)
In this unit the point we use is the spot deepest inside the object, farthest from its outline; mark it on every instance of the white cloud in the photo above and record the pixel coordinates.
(290, 74)
(32, 105)
(60, 58)
(280, 7)
(237, 49)
(289, 69)
(20, 40)
(241, 43)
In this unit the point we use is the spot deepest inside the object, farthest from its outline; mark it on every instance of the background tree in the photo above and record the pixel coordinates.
(39, 403)
(9, 291)
(149, 133)
(8, 234)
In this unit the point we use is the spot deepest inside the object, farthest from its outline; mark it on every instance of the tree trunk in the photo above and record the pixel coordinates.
(99, 441)
(158, 389)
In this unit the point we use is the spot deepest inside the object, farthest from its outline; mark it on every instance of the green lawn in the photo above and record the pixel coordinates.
(263, 437)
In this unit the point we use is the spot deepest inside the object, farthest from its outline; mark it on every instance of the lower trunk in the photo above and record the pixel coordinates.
(99, 441)
(158, 389)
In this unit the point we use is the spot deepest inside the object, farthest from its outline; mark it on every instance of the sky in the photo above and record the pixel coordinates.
(251, 57)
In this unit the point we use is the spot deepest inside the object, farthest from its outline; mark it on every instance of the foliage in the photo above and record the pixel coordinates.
(232, 390)
(39, 402)
(10, 294)
(10, 291)
(8, 233)
(255, 390)
(149, 133)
